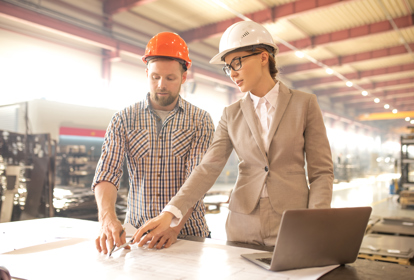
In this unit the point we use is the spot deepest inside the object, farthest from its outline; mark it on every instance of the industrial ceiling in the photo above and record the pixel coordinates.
(356, 56)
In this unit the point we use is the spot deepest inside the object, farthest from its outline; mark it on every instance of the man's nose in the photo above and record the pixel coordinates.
(161, 83)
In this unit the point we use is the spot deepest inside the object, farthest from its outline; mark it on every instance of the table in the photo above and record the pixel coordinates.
(65, 246)
(359, 270)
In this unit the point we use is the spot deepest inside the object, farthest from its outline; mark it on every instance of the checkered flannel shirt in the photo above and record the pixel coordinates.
(160, 157)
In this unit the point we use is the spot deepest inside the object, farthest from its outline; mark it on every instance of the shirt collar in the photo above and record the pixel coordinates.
(271, 96)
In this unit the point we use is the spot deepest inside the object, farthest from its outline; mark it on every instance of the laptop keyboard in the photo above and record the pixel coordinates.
(266, 260)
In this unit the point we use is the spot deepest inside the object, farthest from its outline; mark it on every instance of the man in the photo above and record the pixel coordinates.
(163, 138)
(273, 130)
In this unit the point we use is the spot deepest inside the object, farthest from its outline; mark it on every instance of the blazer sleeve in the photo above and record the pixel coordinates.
(204, 175)
(318, 158)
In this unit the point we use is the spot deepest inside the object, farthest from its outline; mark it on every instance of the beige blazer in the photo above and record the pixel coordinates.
(297, 131)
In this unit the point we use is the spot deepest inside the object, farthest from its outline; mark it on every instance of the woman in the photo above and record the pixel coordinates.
(272, 129)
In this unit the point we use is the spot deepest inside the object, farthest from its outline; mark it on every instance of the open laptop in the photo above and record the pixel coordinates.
(316, 237)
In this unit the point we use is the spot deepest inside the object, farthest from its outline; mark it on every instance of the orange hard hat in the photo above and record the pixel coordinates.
(167, 44)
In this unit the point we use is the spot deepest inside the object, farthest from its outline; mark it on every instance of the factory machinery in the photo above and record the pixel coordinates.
(29, 166)
(406, 187)
(26, 176)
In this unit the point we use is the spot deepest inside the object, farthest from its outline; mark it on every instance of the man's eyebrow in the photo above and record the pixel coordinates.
(168, 75)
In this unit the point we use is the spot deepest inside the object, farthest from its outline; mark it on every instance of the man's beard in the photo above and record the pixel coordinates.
(167, 100)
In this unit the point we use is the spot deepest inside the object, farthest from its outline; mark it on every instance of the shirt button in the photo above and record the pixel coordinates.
(160, 137)
(266, 169)
(158, 194)
(159, 156)
(158, 175)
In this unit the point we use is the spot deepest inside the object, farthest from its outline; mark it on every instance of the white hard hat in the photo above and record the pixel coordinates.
(243, 34)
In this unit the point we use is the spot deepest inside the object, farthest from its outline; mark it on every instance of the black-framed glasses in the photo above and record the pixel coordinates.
(235, 64)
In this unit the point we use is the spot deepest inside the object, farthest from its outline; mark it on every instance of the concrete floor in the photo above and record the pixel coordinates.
(372, 191)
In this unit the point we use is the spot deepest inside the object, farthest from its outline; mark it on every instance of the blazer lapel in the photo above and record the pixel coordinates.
(281, 105)
(251, 119)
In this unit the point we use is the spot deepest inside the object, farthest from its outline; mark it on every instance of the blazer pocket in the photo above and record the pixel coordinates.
(138, 143)
(181, 142)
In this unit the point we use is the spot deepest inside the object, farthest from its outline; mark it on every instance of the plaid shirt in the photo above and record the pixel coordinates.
(160, 157)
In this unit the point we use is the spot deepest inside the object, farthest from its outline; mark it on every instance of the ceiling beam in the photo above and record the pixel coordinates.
(401, 102)
(352, 33)
(369, 86)
(111, 7)
(371, 106)
(385, 116)
(269, 15)
(369, 111)
(106, 42)
(368, 108)
(395, 103)
(309, 42)
(66, 29)
(354, 76)
(385, 94)
(342, 60)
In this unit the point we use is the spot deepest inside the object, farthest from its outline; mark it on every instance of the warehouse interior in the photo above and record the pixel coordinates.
(67, 66)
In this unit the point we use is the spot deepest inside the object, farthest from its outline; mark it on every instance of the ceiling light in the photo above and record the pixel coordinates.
(349, 84)
(299, 54)
(407, 119)
(376, 100)
(386, 106)
(395, 111)
(329, 71)
(412, 122)
(364, 93)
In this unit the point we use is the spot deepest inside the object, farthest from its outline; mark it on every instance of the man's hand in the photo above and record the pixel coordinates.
(156, 227)
(111, 227)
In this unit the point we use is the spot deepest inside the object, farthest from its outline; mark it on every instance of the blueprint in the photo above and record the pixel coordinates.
(77, 258)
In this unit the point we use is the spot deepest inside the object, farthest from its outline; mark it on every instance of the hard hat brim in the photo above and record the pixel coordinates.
(217, 58)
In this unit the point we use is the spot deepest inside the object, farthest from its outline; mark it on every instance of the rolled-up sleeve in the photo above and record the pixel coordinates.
(109, 167)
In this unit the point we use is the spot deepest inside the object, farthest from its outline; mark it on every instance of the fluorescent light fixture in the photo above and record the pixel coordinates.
(407, 119)
(376, 100)
(386, 106)
(395, 111)
(299, 54)
(349, 84)
(364, 93)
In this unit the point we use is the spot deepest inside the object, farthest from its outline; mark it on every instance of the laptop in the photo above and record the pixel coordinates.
(316, 237)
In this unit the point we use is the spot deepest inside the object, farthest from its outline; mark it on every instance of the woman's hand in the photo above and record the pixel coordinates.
(155, 228)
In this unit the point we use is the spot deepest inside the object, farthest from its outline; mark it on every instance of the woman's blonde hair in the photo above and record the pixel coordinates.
(272, 62)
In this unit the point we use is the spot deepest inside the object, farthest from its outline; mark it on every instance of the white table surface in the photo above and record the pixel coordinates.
(64, 248)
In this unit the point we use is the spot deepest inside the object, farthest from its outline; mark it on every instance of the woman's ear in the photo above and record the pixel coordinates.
(264, 56)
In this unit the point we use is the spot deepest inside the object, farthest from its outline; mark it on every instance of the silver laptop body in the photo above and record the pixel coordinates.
(316, 237)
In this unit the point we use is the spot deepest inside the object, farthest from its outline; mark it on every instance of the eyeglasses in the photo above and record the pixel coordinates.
(235, 64)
